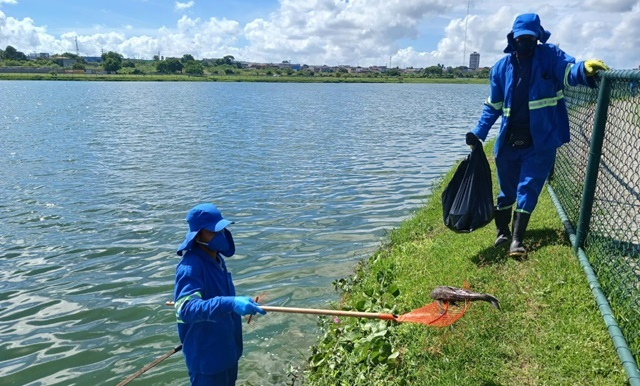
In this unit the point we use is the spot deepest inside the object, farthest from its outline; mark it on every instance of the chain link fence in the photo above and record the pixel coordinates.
(597, 182)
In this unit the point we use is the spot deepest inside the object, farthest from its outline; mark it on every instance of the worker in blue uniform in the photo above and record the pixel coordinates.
(526, 90)
(207, 309)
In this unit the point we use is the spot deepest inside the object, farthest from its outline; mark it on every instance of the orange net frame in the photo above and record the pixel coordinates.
(435, 314)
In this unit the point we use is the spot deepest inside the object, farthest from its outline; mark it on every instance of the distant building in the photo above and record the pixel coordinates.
(38, 55)
(474, 61)
(93, 59)
(63, 61)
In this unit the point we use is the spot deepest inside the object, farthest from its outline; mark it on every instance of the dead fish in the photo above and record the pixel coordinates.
(453, 295)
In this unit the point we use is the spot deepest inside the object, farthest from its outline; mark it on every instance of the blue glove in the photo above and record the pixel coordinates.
(244, 305)
(472, 140)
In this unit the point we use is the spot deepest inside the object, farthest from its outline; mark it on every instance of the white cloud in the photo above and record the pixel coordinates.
(332, 32)
(22, 33)
(182, 6)
(8, 2)
(208, 38)
(363, 32)
(610, 5)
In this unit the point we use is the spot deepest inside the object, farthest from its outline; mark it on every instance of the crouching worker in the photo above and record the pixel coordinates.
(526, 90)
(206, 305)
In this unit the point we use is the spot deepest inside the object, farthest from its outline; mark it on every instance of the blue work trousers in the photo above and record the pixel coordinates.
(521, 175)
(225, 378)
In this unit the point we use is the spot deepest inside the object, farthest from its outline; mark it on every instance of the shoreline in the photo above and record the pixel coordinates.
(232, 78)
(549, 319)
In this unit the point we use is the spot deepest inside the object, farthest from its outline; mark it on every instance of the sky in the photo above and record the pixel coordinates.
(395, 33)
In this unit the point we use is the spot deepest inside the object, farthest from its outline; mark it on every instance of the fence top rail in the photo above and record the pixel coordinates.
(621, 75)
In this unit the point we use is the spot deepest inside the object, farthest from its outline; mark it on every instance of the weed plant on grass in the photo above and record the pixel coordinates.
(550, 331)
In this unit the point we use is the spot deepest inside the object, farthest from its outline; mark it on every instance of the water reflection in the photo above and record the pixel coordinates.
(100, 176)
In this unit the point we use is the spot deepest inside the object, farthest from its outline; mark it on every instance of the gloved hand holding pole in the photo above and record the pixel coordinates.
(244, 305)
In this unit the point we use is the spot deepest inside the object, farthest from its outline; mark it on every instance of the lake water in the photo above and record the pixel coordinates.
(97, 177)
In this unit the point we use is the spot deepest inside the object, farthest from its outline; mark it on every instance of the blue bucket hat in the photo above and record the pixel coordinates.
(203, 216)
(526, 24)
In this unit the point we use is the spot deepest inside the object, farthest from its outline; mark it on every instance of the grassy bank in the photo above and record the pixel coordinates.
(236, 78)
(549, 332)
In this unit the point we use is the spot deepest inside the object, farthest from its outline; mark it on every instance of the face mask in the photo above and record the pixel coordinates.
(222, 242)
(525, 47)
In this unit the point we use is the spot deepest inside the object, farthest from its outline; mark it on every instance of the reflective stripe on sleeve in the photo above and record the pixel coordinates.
(496, 105)
(180, 302)
(567, 71)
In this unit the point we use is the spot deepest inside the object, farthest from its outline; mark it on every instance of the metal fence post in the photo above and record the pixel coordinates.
(595, 152)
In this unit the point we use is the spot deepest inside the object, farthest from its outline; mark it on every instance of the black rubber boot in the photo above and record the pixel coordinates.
(502, 219)
(520, 222)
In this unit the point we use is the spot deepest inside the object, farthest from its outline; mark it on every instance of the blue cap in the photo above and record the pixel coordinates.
(203, 216)
(527, 24)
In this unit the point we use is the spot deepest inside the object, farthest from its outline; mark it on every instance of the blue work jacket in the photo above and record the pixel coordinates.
(210, 332)
(551, 70)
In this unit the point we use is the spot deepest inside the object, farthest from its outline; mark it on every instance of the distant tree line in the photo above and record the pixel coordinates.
(10, 53)
(113, 62)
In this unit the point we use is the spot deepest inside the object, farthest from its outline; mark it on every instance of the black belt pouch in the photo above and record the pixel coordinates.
(520, 138)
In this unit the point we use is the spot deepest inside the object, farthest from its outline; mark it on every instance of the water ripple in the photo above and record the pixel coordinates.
(98, 178)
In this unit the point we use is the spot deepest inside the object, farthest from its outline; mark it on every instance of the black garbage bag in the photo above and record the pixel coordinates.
(467, 202)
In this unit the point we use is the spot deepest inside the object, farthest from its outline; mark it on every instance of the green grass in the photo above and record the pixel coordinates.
(549, 332)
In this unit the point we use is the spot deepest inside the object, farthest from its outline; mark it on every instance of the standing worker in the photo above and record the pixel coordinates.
(207, 308)
(527, 91)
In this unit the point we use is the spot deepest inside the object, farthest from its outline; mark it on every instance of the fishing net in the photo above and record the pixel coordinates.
(435, 314)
